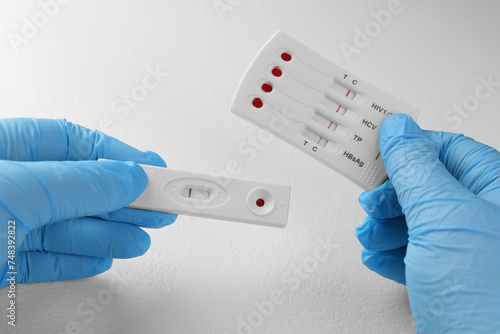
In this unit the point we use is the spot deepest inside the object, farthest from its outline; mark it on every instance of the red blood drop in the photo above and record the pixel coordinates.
(257, 103)
(286, 56)
(276, 72)
(267, 87)
(260, 202)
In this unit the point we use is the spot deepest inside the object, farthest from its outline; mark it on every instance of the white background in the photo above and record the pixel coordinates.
(204, 276)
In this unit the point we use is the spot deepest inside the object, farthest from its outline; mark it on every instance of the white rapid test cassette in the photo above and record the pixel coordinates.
(318, 107)
(206, 196)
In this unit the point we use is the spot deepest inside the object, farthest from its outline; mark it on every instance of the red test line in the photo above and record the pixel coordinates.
(330, 124)
(320, 139)
(189, 192)
(348, 93)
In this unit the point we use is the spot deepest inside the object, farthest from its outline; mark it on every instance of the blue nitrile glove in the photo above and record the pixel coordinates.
(69, 215)
(434, 226)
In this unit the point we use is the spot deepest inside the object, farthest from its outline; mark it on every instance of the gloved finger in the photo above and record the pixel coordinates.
(34, 267)
(25, 139)
(59, 190)
(31, 139)
(143, 218)
(381, 202)
(84, 144)
(473, 164)
(382, 235)
(89, 237)
(412, 162)
(388, 264)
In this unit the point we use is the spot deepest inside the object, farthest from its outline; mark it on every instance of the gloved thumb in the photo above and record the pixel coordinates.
(38, 193)
(411, 160)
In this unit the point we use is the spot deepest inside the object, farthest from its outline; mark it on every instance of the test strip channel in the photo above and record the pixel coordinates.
(323, 121)
(347, 92)
(313, 136)
(195, 193)
(333, 105)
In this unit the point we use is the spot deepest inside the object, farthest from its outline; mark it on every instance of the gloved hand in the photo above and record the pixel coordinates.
(434, 226)
(69, 216)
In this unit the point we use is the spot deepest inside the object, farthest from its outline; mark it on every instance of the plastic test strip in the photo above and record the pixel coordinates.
(318, 107)
(205, 196)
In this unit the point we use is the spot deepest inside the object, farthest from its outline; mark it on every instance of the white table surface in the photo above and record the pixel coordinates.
(205, 276)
